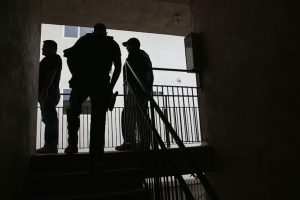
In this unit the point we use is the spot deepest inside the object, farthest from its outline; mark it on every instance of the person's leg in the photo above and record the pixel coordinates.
(123, 126)
(98, 120)
(97, 133)
(144, 129)
(128, 126)
(77, 97)
(49, 117)
(126, 133)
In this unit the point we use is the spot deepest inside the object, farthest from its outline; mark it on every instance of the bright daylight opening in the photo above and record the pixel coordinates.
(165, 51)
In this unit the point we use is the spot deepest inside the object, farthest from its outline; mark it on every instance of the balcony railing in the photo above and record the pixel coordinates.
(179, 104)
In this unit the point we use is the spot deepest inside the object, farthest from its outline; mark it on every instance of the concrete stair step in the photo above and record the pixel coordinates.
(52, 185)
(57, 163)
(133, 194)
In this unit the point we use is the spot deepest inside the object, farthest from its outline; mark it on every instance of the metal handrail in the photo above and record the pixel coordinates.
(182, 183)
(210, 190)
(175, 70)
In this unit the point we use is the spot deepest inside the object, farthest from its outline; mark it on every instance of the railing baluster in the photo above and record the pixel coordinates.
(189, 117)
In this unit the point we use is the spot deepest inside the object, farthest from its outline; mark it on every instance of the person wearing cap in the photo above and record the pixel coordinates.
(138, 65)
(92, 57)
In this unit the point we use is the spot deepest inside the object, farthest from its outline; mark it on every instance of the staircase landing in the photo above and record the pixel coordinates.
(49, 163)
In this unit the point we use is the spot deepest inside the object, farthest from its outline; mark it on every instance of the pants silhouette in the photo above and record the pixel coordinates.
(49, 117)
(99, 102)
(135, 129)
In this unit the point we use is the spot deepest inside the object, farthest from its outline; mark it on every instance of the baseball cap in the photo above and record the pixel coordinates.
(134, 42)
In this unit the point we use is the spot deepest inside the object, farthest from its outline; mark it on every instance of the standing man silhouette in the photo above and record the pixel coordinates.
(49, 77)
(91, 60)
(141, 65)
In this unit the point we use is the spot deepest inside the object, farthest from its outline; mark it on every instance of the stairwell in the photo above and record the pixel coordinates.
(66, 177)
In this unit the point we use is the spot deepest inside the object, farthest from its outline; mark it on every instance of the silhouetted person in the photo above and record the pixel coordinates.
(132, 116)
(48, 97)
(90, 61)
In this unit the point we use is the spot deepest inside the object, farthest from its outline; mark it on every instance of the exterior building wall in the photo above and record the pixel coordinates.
(165, 51)
(249, 103)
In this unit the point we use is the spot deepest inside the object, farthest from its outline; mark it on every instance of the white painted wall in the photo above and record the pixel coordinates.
(165, 51)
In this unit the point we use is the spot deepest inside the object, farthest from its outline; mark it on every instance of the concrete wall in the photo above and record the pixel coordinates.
(19, 59)
(249, 110)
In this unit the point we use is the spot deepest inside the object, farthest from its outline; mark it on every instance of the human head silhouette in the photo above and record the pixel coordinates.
(49, 47)
(133, 43)
(100, 29)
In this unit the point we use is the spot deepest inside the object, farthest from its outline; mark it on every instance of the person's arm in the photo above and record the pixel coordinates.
(117, 65)
(116, 72)
(149, 75)
(48, 82)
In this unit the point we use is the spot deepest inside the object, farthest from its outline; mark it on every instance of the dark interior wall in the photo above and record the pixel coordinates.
(19, 59)
(249, 110)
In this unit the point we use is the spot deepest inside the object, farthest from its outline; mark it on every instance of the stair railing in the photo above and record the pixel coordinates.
(146, 140)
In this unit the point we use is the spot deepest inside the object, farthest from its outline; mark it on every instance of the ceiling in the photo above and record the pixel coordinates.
(153, 16)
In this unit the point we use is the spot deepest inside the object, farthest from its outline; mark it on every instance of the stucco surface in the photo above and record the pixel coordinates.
(20, 37)
(249, 102)
(152, 16)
